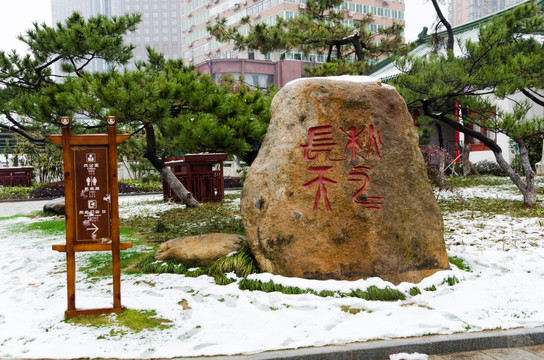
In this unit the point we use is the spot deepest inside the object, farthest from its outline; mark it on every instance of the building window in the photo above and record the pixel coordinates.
(477, 145)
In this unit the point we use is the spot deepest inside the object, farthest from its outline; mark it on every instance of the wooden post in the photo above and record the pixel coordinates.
(69, 211)
(116, 254)
(92, 207)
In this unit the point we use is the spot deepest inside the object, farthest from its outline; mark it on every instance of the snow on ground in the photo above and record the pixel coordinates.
(502, 290)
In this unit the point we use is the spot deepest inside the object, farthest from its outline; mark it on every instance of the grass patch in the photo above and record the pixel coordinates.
(460, 263)
(451, 280)
(350, 310)
(484, 180)
(99, 263)
(49, 227)
(242, 264)
(415, 291)
(372, 293)
(129, 321)
(219, 217)
(12, 216)
(512, 208)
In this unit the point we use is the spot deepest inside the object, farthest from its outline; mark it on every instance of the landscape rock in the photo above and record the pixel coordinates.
(339, 188)
(55, 206)
(201, 250)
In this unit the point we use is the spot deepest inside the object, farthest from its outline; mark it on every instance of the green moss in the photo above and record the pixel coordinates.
(129, 321)
(350, 310)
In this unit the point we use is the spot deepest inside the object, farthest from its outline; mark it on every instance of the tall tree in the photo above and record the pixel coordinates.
(177, 108)
(320, 27)
(505, 60)
(172, 103)
(24, 79)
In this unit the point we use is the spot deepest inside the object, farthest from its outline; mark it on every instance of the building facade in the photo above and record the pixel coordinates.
(464, 11)
(215, 58)
(198, 46)
(160, 27)
(177, 28)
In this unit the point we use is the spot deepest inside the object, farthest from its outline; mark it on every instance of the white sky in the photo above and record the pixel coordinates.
(17, 16)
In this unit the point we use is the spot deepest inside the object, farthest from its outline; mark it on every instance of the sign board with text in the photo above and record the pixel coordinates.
(91, 194)
(92, 207)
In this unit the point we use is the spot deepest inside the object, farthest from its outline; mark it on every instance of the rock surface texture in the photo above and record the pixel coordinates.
(339, 188)
(55, 206)
(200, 250)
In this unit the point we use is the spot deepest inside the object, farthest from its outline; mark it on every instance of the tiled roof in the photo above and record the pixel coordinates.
(385, 70)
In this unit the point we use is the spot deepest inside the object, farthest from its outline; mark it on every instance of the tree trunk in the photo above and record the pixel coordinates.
(446, 24)
(177, 187)
(527, 189)
(440, 135)
(529, 196)
(465, 158)
(172, 181)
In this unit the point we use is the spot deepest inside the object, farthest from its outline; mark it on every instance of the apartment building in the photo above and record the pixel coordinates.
(464, 11)
(159, 29)
(177, 28)
(215, 58)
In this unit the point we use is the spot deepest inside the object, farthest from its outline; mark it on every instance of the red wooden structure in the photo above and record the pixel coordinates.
(16, 176)
(92, 208)
(201, 174)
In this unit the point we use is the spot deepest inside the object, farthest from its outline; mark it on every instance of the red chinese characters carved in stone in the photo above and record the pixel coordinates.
(374, 140)
(320, 180)
(319, 141)
(359, 174)
(352, 143)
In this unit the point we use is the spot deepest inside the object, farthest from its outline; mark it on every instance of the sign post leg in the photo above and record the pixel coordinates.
(71, 280)
(116, 253)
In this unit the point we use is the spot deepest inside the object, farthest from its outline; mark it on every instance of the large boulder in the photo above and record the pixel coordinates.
(339, 188)
(200, 250)
(56, 206)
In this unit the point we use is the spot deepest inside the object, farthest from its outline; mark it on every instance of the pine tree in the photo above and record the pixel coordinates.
(177, 108)
(506, 60)
(319, 27)
(27, 81)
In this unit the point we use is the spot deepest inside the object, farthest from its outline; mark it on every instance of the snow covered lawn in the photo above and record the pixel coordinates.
(502, 289)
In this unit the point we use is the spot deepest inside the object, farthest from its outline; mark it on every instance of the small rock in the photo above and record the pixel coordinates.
(55, 206)
(201, 250)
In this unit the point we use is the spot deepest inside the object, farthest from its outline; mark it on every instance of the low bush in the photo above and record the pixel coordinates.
(144, 186)
(232, 182)
(56, 189)
(489, 167)
(436, 159)
(15, 192)
(51, 190)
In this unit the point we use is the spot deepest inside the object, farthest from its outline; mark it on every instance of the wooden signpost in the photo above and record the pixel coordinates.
(92, 207)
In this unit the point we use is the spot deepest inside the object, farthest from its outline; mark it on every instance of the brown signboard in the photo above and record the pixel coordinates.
(92, 208)
(91, 194)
